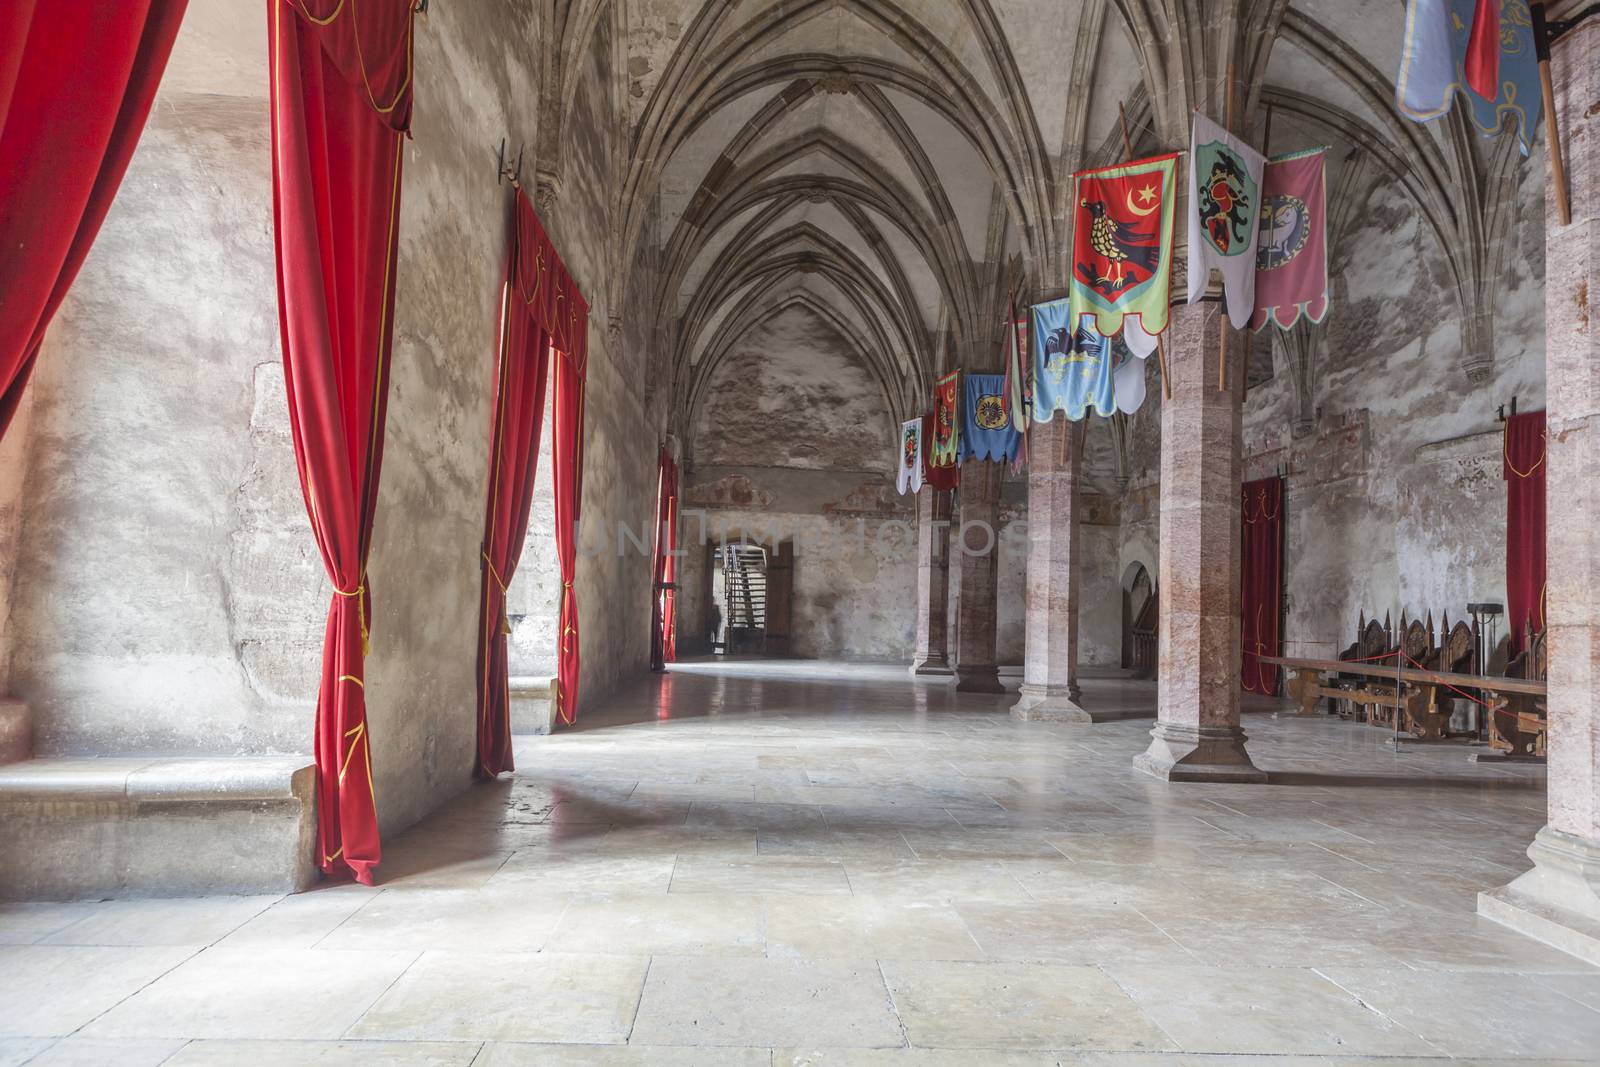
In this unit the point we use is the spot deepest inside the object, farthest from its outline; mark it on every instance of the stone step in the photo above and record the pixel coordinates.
(79, 827)
(532, 711)
(16, 731)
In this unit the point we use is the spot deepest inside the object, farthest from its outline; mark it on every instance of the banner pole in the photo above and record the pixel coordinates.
(1161, 348)
(1558, 167)
(1222, 305)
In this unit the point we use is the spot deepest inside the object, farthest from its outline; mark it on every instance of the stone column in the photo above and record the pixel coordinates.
(1559, 900)
(976, 671)
(933, 583)
(1050, 625)
(1197, 736)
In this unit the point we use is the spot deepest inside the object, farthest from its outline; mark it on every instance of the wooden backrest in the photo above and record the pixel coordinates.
(1456, 652)
(1374, 640)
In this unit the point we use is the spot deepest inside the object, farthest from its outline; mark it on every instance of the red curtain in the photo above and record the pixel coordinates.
(1261, 573)
(663, 614)
(1525, 523)
(77, 78)
(340, 106)
(513, 457)
(571, 368)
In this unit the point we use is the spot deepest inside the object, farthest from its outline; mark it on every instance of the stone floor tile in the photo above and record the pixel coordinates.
(503, 1054)
(1016, 1006)
(911, 1057)
(25, 922)
(831, 927)
(16, 1051)
(765, 1002)
(255, 992)
(680, 924)
(90, 1052)
(513, 919)
(1088, 933)
(988, 845)
(883, 846)
(1264, 1011)
(760, 875)
(52, 990)
(469, 996)
(935, 880)
(194, 921)
(434, 865)
(302, 920)
(1584, 988)
(1478, 1014)
(326, 1054)
(537, 870)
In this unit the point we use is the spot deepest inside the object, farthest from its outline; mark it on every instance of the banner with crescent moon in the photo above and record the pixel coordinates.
(1122, 249)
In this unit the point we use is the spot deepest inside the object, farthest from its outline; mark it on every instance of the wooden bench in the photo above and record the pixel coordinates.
(1419, 699)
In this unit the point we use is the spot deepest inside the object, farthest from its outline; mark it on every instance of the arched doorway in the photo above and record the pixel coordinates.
(1138, 601)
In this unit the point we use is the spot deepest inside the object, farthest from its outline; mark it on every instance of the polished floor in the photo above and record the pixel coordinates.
(787, 863)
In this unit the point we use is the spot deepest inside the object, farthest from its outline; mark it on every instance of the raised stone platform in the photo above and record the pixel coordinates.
(73, 828)
(531, 709)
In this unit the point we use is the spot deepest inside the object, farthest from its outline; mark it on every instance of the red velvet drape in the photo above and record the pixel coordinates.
(664, 569)
(571, 368)
(1261, 578)
(77, 78)
(1525, 523)
(340, 106)
(513, 458)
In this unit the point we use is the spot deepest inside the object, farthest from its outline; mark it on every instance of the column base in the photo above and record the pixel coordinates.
(1179, 752)
(1052, 703)
(1558, 902)
(932, 668)
(978, 679)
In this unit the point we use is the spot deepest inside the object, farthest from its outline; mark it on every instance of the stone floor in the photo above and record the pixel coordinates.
(812, 863)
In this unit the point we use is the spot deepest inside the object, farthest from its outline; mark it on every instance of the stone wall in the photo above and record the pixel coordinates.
(166, 594)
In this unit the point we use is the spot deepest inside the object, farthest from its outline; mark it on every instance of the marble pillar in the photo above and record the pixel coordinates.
(1050, 623)
(1197, 736)
(1559, 900)
(979, 544)
(933, 583)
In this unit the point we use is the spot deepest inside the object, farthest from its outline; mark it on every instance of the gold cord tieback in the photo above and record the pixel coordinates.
(361, 607)
(505, 619)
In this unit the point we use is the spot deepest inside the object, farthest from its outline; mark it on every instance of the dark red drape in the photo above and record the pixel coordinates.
(513, 458)
(77, 78)
(1525, 523)
(571, 368)
(1261, 579)
(339, 111)
(664, 570)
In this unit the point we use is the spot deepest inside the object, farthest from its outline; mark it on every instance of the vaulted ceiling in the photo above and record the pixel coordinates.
(896, 168)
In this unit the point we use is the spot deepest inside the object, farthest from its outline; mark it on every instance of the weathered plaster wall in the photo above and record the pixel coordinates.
(167, 593)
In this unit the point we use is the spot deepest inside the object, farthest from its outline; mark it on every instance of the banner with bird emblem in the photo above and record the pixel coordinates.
(1484, 50)
(1073, 369)
(947, 420)
(1291, 241)
(909, 478)
(986, 431)
(1122, 249)
(1223, 202)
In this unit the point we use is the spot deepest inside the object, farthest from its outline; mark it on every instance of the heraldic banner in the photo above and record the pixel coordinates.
(946, 420)
(1122, 249)
(909, 479)
(1019, 373)
(1072, 369)
(1223, 202)
(988, 433)
(1439, 37)
(1291, 241)
(935, 477)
